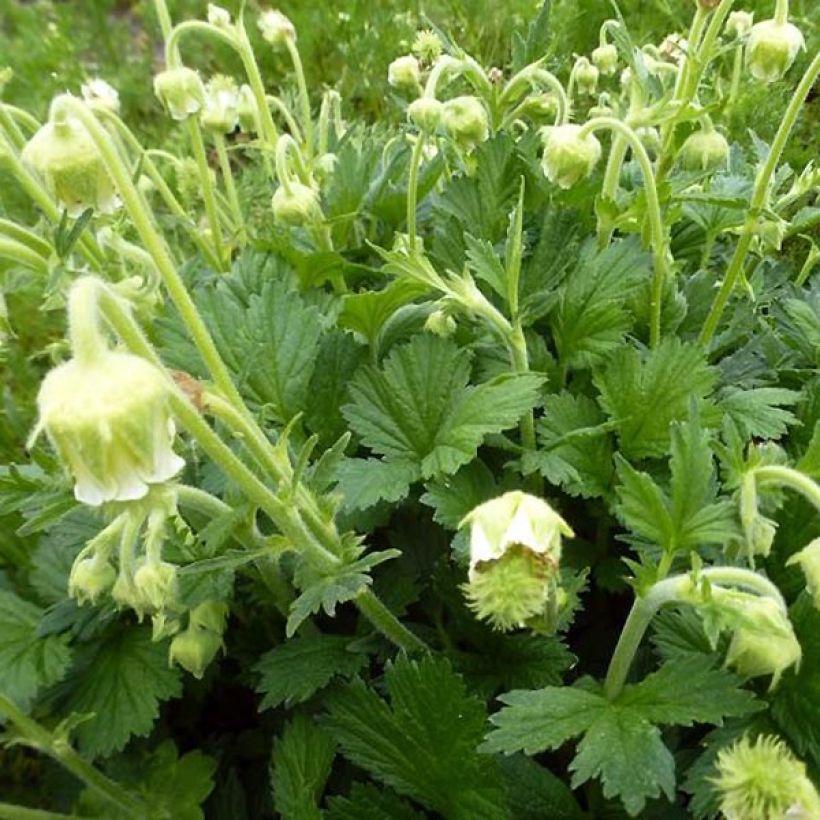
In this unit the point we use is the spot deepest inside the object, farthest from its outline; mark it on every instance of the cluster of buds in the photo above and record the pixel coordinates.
(762, 780)
(569, 155)
(64, 153)
(515, 551)
(195, 648)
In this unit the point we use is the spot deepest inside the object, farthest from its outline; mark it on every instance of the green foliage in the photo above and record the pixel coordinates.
(621, 743)
(423, 744)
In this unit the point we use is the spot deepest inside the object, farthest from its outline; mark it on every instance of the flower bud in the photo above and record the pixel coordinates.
(440, 323)
(650, 139)
(425, 113)
(605, 58)
(763, 780)
(246, 109)
(427, 46)
(109, 421)
(763, 642)
(586, 76)
(771, 49)
(739, 23)
(90, 578)
(220, 112)
(465, 120)
(210, 615)
(324, 166)
(276, 28)
(100, 95)
(219, 17)
(515, 549)
(296, 204)
(809, 560)
(180, 91)
(404, 73)
(568, 156)
(704, 150)
(541, 106)
(156, 584)
(194, 650)
(772, 232)
(672, 49)
(64, 153)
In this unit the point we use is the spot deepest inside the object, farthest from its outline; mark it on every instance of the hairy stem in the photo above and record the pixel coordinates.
(208, 193)
(413, 190)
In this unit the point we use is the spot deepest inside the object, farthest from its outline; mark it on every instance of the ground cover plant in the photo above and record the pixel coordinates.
(456, 463)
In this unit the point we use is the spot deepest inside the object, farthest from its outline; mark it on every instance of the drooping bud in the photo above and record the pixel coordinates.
(704, 150)
(108, 419)
(763, 642)
(739, 23)
(90, 578)
(220, 112)
(650, 139)
(440, 323)
(296, 204)
(219, 17)
(605, 58)
(404, 73)
(541, 106)
(809, 560)
(180, 91)
(762, 781)
(246, 109)
(465, 120)
(427, 46)
(66, 156)
(156, 584)
(276, 28)
(425, 113)
(586, 76)
(100, 95)
(772, 48)
(196, 647)
(569, 156)
(515, 550)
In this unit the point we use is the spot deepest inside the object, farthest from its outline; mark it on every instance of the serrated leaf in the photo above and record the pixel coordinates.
(367, 802)
(419, 408)
(27, 662)
(690, 515)
(366, 313)
(574, 446)
(628, 756)
(759, 411)
(591, 318)
(452, 497)
(302, 758)
(535, 793)
(366, 481)
(645, 392)
(295, 670)
(121, 679)
(484, 263)
(423, 744)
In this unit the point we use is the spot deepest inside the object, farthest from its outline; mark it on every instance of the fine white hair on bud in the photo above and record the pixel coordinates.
(771, 49)
(425, 113)
(218, 16)
(181, 92)
(569, 155)
(586, 76)
(68, 159)
(108, 419)
(276, 28)
(296, 204)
